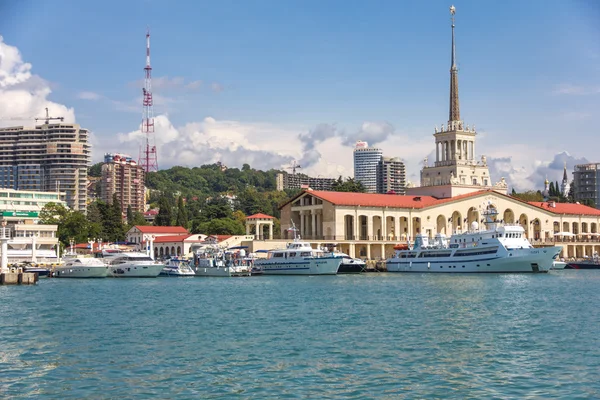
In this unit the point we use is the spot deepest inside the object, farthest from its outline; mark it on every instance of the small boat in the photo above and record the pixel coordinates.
(177, 266)
(349, 265)
(558, 265)
(215, 261)
(78, 266)
(588, 263)
(132, 265)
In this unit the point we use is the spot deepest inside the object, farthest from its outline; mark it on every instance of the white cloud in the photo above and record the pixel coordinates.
(570, 89)
(24, 96)
(89, 96)
(216, 87)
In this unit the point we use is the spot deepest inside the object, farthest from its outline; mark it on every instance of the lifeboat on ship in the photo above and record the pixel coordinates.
(401, 246)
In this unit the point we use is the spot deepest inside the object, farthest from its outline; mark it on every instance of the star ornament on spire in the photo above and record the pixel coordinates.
(452, 10)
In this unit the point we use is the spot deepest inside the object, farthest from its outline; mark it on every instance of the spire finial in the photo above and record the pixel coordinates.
(454, 104)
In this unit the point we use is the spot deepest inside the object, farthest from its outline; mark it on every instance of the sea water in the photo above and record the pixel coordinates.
(355, 336)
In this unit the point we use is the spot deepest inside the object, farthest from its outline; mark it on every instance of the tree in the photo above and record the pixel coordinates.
(529, 196)
(219, 226)
(182, 217)
(129, 215)
(95, 170)
(349, 185)
(165, 213)
(552, 190)
(571, 195)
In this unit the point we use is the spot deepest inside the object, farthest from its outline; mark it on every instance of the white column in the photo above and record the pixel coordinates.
(370, 228)
(397, 232)
(437, 151)
(302, 223)
(4, 249)
(258, 231)
(247, 228)
(384, 226)
(473, 142)
(313, 222)
(271, 231)
(33, 249)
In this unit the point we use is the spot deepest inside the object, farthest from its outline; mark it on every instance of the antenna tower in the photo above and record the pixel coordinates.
(148, 159)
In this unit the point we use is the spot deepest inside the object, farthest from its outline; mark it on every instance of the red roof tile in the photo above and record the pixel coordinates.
(171, 238)
(566, 208)
(176, 230)
(260, 216)
(384, 200)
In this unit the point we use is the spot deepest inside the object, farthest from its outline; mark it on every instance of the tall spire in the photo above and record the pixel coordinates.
(565, 176)
(454, 104)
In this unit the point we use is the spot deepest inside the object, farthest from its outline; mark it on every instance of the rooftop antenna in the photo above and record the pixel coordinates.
(148, 158)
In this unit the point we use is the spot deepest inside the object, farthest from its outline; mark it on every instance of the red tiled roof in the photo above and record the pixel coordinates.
(151, 212)
(177, 230)
(171, 238)
(220, 238)
(566, 208)
(384, 200)
(260, 216)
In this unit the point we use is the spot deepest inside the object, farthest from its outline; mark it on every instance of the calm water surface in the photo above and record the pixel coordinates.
(368, 336)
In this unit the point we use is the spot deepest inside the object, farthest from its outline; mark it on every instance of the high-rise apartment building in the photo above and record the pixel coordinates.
(586, 178)
(391, 175)
(123, 176)
(366, 160)
(297, 181)
(47, 158)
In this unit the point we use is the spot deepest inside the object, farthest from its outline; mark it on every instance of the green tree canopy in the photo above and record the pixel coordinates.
(348, 185)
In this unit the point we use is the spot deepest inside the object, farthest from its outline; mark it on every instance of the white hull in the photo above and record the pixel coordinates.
(519, 260)
(135, 270)
(95, 271)
(308, 266)
(176, 273)
(222, 271)
(559, 265)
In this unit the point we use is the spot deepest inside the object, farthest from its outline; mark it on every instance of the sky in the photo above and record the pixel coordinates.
(267, 82)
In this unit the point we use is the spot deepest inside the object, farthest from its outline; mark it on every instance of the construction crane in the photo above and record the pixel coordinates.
(48, 118)
(294, 167)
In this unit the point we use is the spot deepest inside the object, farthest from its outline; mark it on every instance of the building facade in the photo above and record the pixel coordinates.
(366, 160)
(369, 225)
(586, 178)
(297, 181)
(46, 158)
(391, 176)
(123, 176)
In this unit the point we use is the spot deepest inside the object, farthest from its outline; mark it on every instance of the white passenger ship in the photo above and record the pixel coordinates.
(498, 249)
(299, 258)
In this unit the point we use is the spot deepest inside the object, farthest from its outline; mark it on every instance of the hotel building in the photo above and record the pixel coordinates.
(46, 158)
(123, 176)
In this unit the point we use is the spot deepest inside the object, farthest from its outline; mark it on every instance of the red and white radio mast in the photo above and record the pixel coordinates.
(148, 158)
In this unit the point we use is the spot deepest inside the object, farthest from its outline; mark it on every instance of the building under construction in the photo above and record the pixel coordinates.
(299, 181)
(46, 158)
(125, 177)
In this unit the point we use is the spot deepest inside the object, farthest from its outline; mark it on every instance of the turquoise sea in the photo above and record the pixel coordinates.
(384, 336)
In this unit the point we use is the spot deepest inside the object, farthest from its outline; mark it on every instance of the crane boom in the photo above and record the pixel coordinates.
(48, 118)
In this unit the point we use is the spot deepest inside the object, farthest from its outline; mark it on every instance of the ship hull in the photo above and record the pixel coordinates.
(582, 265)
(308, 266)
(517, 260)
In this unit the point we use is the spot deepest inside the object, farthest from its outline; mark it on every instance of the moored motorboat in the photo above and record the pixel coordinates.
(78, 266)
(558, 265)
(133, 265)
(177, 266)
(211, 260)
(500, 248)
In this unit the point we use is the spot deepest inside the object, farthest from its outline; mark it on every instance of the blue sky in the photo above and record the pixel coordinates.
(273, 70)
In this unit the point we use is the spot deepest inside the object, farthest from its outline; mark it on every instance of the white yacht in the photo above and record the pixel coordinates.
(212, 260)
(79, 266)
(299, 258)
(498, 249)
(132, 265)
(177, 266)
